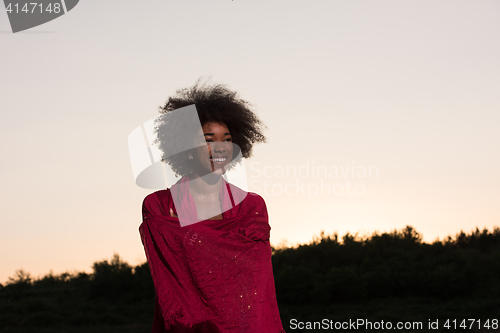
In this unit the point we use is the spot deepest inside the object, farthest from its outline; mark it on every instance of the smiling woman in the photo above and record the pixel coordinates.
(206, 240)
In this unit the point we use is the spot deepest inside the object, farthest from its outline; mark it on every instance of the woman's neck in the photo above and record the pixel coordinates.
(205, 186)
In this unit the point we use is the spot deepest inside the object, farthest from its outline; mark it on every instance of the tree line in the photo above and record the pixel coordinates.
(385, 276)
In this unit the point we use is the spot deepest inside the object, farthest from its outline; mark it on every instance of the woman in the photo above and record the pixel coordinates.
(207, 241)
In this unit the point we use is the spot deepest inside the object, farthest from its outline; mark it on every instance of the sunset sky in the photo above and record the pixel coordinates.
(408, 91)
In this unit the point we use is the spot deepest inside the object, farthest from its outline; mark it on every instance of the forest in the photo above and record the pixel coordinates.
(392, 277)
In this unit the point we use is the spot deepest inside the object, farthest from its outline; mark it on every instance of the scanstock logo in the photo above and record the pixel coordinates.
(24, 15)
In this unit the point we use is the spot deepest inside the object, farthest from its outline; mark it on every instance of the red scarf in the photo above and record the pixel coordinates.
(212, 275)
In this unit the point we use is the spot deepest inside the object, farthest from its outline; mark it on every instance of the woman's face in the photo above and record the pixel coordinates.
(218, 151)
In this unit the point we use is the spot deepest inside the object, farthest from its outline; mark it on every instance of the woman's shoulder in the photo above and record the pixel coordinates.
(155, 203)
(256, 204)
(240, 195)
(256, 198)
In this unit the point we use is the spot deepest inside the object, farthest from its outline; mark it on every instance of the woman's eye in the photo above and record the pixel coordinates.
(227, 140)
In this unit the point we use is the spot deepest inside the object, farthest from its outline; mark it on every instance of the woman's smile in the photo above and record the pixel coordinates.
(219, 160)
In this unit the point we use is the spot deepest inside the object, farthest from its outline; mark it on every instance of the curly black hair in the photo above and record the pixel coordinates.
(214, 103)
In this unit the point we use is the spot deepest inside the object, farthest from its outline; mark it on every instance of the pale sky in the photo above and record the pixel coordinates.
(408, 88)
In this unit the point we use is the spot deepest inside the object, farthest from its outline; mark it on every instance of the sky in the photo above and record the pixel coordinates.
(379, 114)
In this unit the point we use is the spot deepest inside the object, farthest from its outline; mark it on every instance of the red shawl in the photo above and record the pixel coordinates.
(212, 275)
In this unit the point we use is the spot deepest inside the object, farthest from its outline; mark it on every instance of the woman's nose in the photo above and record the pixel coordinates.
(219, 147)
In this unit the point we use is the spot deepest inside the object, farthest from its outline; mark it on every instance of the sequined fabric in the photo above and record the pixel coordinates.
(213, 275)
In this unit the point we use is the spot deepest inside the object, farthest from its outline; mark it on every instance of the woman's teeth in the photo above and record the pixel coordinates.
(218, 159)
